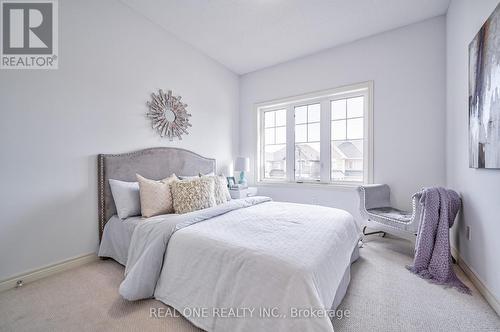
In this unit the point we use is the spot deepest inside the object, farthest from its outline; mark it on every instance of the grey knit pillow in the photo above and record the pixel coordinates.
(193, 194)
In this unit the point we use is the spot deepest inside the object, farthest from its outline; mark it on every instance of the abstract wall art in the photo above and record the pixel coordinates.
(484, 95)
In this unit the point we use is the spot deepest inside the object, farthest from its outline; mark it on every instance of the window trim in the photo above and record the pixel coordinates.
(324, 97)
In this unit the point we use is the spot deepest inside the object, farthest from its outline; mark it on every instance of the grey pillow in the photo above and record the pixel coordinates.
(126, 197)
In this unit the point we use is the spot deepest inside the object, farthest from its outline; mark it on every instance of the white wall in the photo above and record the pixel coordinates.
(407, 66)
(54, 123)
(480, 187)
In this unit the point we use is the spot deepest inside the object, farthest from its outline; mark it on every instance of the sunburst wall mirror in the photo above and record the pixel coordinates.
(168, 114)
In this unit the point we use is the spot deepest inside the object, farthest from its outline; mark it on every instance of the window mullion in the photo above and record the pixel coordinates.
(290, 144)
(325, 159)
(368, 137)
(261, 143)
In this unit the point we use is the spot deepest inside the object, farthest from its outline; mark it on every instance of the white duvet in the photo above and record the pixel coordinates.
(247, 265)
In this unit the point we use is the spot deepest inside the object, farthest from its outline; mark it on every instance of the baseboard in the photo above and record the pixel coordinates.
(47, 271)
(476, 280)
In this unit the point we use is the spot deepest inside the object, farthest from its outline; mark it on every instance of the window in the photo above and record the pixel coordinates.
(325, 137)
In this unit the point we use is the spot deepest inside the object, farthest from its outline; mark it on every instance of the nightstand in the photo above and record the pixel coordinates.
(242, 193)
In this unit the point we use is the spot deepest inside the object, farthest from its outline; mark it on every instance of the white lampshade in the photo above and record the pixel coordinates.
(242, 164)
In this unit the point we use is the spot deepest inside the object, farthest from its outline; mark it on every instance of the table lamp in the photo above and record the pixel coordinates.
(242, 165)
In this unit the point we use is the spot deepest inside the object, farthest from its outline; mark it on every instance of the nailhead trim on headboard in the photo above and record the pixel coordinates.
(101, 194)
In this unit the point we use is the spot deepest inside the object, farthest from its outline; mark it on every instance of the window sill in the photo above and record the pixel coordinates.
(343, 186)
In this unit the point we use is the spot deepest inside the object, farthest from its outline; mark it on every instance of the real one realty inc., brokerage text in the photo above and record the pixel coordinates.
(262, 312)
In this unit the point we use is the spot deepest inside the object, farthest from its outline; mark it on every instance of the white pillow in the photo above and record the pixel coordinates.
(220, 189)
(126, 197)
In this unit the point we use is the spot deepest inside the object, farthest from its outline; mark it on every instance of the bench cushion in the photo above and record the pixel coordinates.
(396, 215)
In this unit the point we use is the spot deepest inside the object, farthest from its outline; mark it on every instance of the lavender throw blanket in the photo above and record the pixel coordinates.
(432, 252)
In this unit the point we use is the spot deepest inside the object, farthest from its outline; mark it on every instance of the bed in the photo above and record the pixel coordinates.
(246, 265)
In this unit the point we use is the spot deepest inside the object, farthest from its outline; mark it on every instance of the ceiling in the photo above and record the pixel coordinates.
(247, 35)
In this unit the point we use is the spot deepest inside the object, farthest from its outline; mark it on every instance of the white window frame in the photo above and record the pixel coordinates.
(324, 98)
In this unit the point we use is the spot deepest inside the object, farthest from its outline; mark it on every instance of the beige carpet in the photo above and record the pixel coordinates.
(382, 296)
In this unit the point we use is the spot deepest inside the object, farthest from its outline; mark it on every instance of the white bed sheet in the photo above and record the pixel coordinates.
(117, 234)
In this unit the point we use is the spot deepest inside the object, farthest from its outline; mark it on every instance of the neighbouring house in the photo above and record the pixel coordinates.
(347, 162)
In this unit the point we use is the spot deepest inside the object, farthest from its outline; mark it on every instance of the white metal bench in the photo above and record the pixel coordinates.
(375, 207)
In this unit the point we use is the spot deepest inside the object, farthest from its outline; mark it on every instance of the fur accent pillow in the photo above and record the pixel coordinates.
(194, 194)
(156, 197)
(221, 191)
(225, 188)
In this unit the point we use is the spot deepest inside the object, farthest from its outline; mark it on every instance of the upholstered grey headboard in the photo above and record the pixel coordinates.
(153, 163)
